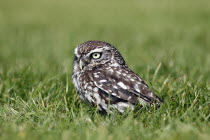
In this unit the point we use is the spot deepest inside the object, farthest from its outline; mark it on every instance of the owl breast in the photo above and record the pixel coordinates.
(88, 91)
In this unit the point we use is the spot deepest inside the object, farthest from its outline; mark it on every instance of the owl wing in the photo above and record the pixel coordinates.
(122, 83)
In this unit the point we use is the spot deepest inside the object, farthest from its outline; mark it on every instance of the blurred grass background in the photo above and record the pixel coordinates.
(166, 42)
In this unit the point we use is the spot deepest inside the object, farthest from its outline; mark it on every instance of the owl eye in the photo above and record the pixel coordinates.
(96, 55)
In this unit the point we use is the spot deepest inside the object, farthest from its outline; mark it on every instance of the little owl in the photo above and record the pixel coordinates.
(102, 78)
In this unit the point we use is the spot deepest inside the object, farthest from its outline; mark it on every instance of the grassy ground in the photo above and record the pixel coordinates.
(166, 42)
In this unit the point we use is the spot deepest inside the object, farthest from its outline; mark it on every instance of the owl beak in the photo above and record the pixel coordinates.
(81, 64)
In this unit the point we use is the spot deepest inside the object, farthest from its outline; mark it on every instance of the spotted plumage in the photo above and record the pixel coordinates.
(102, 78)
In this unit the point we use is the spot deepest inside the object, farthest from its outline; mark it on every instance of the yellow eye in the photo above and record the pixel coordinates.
(96, 55)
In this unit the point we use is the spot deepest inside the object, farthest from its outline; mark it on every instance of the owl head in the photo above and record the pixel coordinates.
(93, 54)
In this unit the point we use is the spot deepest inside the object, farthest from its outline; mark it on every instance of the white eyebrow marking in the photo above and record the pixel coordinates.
(75, 51)
(99, 50)
(122, 85)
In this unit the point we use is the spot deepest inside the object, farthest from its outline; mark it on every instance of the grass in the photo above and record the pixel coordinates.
(165, 42)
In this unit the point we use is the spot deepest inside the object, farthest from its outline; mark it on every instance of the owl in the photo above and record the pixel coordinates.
(102, 79)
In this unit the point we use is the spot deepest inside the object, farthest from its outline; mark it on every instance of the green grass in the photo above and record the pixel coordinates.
(166, 42)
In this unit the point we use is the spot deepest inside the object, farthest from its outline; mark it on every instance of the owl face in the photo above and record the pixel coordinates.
(93, 54)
